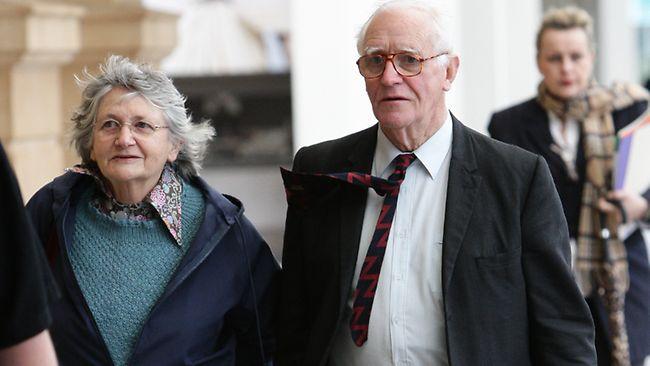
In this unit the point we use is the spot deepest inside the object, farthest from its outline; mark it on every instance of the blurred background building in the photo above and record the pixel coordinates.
(272, 75)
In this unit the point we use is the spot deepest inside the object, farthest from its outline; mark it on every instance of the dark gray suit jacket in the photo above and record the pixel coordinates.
(510, 298)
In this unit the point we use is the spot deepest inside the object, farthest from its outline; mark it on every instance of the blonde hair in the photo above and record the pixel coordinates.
(565, 18)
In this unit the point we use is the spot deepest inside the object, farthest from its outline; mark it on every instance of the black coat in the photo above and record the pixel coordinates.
(26, 285)
(527, 125)
(508, 290)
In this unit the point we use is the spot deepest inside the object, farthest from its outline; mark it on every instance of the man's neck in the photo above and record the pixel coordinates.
(416, 134)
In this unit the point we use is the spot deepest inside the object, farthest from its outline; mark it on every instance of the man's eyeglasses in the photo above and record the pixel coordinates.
(406, 64)
(111, 128)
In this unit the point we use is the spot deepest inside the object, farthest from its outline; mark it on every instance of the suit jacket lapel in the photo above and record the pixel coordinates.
(352, 210)
(539, 133)
(462, 188)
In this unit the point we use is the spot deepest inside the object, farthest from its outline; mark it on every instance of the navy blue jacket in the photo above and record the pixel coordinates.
(216, 309)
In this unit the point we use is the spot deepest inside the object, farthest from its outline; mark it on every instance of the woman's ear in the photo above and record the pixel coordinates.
(173, 153)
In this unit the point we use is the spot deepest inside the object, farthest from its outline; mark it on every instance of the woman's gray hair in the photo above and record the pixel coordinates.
(158, 89)
(568, 17)
(439, 21)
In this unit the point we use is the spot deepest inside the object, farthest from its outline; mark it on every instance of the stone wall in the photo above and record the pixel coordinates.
(43, 45)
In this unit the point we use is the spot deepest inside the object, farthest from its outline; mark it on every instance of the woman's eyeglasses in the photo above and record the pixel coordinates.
(111, 128)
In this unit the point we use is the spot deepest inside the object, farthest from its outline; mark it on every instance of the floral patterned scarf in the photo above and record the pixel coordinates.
(164, 200)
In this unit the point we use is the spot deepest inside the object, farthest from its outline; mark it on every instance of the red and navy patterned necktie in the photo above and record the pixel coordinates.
(364, 293)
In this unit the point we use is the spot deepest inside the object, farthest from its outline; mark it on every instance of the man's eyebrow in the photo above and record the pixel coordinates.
(373, 50)
(379, 50)
(410, 50)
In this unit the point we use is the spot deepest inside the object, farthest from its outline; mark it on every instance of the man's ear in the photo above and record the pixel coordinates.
(451, 70)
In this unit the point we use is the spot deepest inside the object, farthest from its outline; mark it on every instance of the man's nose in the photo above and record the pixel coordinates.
(390, 75)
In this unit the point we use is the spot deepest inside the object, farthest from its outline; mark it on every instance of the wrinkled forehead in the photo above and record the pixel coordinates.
(393, 31)
(120, 95)
(116, 95)
(120, 100)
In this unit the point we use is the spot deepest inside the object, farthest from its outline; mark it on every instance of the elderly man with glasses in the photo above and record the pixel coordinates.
(419, 241)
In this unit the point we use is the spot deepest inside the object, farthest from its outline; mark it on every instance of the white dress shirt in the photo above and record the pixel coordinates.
(566, 137)
(407, 323)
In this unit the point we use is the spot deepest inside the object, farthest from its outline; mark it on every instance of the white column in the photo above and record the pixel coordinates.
(618, 58)
(496, 43)
(328, 95)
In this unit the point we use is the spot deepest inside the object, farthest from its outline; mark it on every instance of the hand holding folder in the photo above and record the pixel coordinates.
(632, 165)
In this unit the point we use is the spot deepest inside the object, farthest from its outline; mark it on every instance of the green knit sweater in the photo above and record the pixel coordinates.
(123, 266)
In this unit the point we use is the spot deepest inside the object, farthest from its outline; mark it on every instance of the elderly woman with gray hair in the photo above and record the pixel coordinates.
(155, 267)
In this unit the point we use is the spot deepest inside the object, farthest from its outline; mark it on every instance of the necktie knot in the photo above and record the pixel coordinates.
(299, 186)
(401, 163)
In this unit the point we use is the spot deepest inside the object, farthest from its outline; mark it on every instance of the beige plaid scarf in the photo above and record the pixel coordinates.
(601, 261)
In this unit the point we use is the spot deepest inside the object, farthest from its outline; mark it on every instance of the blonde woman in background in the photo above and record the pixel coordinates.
(572, 123)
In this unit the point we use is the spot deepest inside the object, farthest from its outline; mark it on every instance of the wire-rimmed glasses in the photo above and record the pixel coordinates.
(111, 128)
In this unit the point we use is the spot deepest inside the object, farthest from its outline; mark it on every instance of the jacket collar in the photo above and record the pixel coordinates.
(228, 207)
(538, 132)
(164, 202)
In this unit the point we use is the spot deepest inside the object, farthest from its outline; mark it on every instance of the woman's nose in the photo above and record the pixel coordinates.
(567, 64)
(125, 136)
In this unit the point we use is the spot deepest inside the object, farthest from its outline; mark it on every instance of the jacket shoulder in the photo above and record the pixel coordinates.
(332, 154)
(491, 150)
(512, 117)
(59, 188)
(624, 116)
(507, 171)
(229, 207)
(502, 163)
(46, 204)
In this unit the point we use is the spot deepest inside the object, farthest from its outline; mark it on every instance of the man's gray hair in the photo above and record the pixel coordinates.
(439, 26)
(158, 89)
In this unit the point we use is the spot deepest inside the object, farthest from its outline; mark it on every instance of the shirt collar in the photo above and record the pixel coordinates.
(431, 153)
(164, 200)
